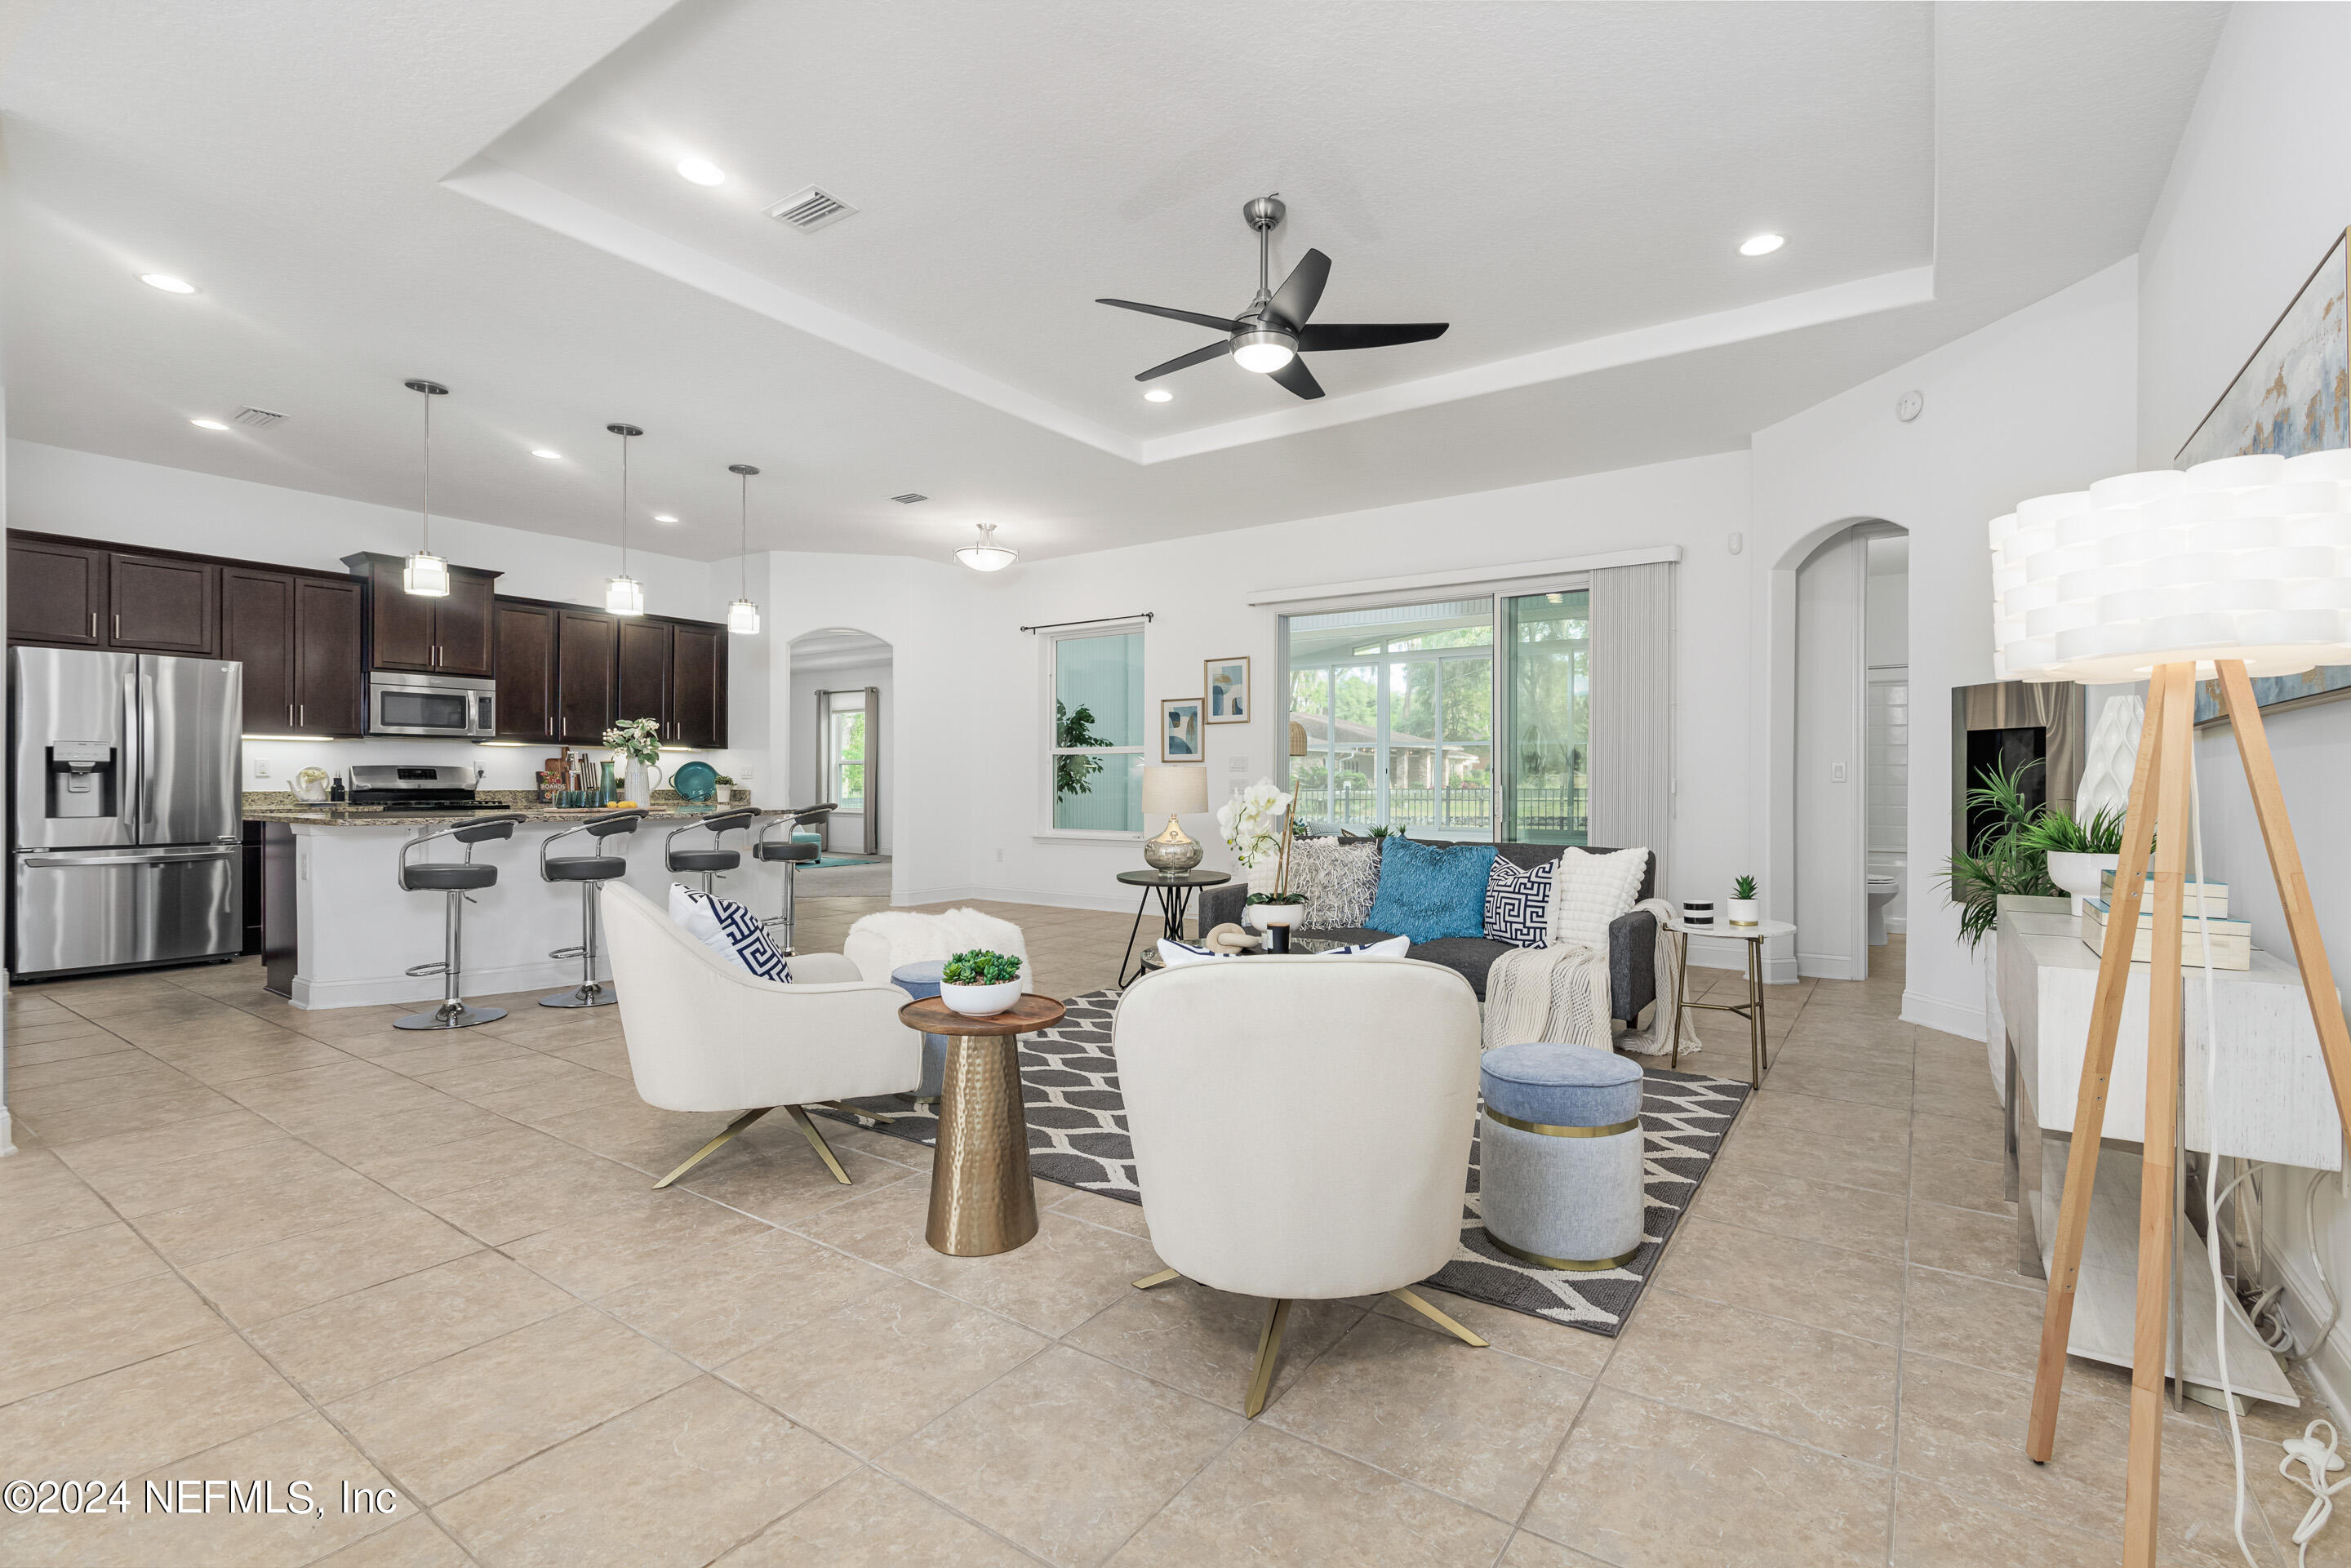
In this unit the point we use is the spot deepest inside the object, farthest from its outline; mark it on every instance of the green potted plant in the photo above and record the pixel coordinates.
(722, 788)
(979, 982)
(1745, 908)
(2004, 860)
(2077, 852)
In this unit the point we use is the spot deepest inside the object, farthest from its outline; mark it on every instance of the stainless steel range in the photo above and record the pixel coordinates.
(411, 787)
(125, 842)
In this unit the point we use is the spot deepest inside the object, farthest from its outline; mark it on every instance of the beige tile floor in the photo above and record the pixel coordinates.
(245, 1242)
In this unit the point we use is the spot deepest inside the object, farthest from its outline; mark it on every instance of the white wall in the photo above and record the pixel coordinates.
(2040, 400)
(1831, 780)
(2259, 190)
(52, 489)
(807, 761)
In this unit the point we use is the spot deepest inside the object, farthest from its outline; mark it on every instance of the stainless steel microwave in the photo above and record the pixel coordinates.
(463, 706)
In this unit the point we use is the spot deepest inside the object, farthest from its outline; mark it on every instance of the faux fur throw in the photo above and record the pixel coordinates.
(1560, 994)
(918, 938)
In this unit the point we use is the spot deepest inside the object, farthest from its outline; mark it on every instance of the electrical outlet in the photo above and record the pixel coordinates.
(743, 774)
(1836, 772)
(1237, 765)
(261, 768)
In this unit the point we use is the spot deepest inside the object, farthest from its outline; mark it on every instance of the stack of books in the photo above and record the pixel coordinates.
(2232, 940)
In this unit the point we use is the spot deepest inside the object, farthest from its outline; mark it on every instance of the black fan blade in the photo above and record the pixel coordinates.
(1295, 300)
(1185, 362)
(1323, 339)
(1214, 323)
(1299, 379)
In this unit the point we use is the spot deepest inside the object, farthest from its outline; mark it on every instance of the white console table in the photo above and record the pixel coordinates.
(2273, 1104)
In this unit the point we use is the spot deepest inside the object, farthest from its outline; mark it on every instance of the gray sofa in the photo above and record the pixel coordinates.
(1632, 938)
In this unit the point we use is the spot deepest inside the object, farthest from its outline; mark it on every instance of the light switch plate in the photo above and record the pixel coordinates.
(1836, 772)
(1237, 765)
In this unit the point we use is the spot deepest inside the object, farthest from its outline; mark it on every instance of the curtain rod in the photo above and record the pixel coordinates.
(1097, 621)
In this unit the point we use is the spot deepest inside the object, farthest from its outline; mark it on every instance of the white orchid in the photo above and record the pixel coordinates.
(1251, 820)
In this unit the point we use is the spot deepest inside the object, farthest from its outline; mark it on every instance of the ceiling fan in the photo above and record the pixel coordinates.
(1276, 328)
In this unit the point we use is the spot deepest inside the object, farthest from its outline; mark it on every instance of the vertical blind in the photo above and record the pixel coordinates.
(1632, 708)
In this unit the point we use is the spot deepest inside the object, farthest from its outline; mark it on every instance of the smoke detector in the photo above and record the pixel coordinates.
(810, 209)
(255, 416)
(909, 498)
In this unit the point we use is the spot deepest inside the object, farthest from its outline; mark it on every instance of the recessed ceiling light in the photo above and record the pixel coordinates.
(1159, 394)
(208, 425)
(543, 452)
(701, 171)
(1763, 245)
(663, 518)
(167, 283)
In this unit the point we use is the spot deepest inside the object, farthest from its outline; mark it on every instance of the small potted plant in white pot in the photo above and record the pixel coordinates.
(1745, 908)
(1280, 909)
(979, 982)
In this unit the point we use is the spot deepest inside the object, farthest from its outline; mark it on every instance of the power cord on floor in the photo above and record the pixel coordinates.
(2316, 1461)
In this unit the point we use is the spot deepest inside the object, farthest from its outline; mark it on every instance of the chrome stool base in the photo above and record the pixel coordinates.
(446, 1016)
(594, 993)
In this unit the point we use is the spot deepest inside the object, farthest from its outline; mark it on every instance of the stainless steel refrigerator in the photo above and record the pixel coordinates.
(126, 838)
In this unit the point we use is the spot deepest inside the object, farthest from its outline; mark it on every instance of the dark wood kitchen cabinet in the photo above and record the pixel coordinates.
(526, 670)
(698, 687)
(330, 676)
(257, 631)
(453, 635)
(298, 639)
(163, 604)
(640, 688)
(57, 593)
(586, 642)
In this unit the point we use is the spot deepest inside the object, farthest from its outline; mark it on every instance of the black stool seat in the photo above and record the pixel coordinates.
(456, 876)
(799, 852)
(585, 868)
(705, 860)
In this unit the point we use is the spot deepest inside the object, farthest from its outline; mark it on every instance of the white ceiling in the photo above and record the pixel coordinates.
(485, 195)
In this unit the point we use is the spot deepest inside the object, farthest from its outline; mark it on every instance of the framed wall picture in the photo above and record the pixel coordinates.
(1179, 729)
(1226, 684)
(2293, 396)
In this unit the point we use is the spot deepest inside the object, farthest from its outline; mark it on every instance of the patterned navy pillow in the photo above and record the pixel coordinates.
(1518, 902)
(748, 937)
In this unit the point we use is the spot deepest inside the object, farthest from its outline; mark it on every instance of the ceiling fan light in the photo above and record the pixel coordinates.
(1263, 349)
(986, 554)
(625, 596)
(743, 618)
(425, 575)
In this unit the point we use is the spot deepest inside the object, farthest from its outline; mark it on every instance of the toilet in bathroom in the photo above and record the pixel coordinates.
(1882, 890)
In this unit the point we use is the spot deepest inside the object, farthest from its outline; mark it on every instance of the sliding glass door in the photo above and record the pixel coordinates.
(1548, 797)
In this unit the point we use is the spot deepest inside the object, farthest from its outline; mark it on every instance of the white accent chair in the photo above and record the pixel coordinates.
(705, 1035)
(1302, 1127)
(889, 939)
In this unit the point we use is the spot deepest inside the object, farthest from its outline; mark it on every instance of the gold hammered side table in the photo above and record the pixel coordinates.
(981, 1199)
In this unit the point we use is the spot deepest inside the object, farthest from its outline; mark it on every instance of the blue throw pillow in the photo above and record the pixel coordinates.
(1427, 891)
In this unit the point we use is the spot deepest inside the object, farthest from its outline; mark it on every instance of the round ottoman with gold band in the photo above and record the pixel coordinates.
(1560, 1161)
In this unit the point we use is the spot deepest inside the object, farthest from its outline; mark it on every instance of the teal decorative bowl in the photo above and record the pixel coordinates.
(695, 781)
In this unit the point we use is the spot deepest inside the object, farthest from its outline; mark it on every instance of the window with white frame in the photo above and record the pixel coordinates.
(1095, 729)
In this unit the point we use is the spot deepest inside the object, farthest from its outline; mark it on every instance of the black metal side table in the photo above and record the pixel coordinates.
(1174, 890)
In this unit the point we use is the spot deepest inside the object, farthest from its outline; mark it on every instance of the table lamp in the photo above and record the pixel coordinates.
(1173, 790)
(2233, 569)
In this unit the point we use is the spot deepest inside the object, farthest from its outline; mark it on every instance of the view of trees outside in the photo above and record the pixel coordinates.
(849, 760)
(1550, 717)
(1099, 729)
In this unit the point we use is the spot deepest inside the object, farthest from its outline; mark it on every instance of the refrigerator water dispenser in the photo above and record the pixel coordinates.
(81, 779)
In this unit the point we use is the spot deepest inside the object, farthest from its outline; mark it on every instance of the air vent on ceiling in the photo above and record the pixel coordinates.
(257, 416)
(810, 210)
(909, 498)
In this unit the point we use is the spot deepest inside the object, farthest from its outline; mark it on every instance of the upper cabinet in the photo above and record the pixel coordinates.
(298, 639)
(161, 604)
(585, 644)
(257, 631)
(72, 593)
(330, 679)
(642, 687)
(697, 684)
(453, 635)
(526, 671)
(57, 593)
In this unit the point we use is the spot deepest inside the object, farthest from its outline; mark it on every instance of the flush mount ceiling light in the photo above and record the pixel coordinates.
(1763, 245)
(742, 616)
(985, 554)
(664, 517)
(167, 283)
(700, 172)
(424, 574)
(552, 457)
(624, 595)
(208, 425)
(1159, 394)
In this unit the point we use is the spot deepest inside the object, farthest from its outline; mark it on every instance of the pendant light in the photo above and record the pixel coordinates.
(624, 595)
(742, 616)
(986, 554)
(424, 574)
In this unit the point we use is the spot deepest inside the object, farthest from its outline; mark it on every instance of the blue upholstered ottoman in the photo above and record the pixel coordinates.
(1559, 1162)
(921, 981)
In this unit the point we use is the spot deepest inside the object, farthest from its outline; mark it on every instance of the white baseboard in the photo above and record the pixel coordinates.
(1896, 925)
(1826, 966)
(547, 975)
(1962, 1019)
(7, 1141)
(2330, 1367)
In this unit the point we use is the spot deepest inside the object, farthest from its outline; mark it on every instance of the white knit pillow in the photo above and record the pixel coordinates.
(1588, 891)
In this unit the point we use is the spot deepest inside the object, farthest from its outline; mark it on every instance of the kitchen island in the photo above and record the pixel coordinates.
(354, 932)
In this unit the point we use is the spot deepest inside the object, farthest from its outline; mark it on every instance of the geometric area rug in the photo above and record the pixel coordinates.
(1077, 1138)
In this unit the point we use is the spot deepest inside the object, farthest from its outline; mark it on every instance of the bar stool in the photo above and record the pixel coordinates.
(591, 872)
(791, 854)
(709, 862)
(456, 879)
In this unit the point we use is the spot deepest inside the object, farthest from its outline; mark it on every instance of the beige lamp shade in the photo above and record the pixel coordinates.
(1174, 791)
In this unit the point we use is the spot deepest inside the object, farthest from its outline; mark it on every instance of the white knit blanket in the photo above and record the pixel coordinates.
(1560, 994)
(890, 938)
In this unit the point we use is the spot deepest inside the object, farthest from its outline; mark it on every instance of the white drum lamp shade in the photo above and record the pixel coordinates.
(2241, 557)
(1174, 791)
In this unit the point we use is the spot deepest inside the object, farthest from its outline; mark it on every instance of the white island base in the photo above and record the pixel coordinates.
(358, 932)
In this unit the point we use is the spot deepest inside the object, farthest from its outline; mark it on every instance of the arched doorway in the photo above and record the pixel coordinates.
(843, 703)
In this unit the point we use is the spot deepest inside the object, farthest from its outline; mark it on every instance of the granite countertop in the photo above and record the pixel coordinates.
(280, 806)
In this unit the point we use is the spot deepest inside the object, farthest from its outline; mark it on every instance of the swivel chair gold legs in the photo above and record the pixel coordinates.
(799, 1119)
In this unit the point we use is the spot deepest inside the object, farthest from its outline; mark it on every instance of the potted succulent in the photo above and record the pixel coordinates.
(1745, 908)
(722, 788)
(979, 982)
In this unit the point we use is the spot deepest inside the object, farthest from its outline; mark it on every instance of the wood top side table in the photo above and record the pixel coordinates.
(1751, 1010)
(981, 1200)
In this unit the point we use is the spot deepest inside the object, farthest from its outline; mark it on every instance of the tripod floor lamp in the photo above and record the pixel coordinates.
(2232, 570)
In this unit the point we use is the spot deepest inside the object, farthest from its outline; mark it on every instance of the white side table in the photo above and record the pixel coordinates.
(1751, 1010)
